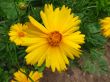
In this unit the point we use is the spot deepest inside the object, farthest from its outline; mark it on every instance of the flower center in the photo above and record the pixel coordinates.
(21, 34)
(54, 38)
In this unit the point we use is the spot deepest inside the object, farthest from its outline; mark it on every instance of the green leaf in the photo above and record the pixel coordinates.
(94, 62)
(8, 7)
(41, 68)
(4, 75)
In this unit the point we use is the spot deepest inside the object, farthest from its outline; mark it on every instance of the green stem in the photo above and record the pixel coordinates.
(16, 10)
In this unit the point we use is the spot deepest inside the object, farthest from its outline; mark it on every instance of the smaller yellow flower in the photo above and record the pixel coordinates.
(20, 76)
(105, 26)
(35, 76)
(17, 33)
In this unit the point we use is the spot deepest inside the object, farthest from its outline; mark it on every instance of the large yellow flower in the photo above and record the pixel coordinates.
(55, 41)
(105, 26)
(17, 33)
(20, 76)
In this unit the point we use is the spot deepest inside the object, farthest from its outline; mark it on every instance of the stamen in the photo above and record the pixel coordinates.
(21, 34)
(54, 38)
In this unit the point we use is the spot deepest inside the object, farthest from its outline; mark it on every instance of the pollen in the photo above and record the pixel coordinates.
(21, 34)
(54, 38)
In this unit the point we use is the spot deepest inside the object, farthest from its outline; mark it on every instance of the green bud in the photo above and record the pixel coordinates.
(22, 5)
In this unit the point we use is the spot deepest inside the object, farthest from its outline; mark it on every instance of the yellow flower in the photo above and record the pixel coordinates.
(17, 33)
(35, 76)
(56, 41)
(20, 76)
(105, 26)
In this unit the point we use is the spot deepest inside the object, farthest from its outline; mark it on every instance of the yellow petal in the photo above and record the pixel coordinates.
(73, 47)
(56, 60)
(75, 37)
(34, 46)
(35, 76)
(67, 50)
(105, 26)
(33, 31)
(52, 60)
(34, 56)
(44, 18)
(20, 77)
(37, 24)
(59, 19)
(30, 41)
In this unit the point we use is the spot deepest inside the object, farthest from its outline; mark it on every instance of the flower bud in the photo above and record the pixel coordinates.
(22, 5)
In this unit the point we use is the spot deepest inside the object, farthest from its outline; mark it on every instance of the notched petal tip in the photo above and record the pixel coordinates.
(48, 6)
(41, 12)
(29, 17)
(63, 6)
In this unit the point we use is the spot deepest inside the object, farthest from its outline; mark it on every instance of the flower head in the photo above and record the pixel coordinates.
(17, 33)
(105, 26)
(55, 41)
(21, 76)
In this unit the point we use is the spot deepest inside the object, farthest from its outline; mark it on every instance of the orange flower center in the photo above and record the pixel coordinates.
(54, 38)
(21, 34)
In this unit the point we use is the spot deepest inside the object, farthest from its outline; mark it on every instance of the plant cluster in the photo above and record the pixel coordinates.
(89, 11)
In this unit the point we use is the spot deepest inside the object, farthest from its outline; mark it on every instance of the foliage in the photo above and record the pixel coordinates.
(94, 62)
(4, 75)
(90, 11)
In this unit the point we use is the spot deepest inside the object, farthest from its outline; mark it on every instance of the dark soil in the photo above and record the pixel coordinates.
(76, 75)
